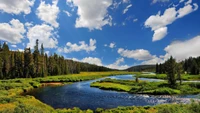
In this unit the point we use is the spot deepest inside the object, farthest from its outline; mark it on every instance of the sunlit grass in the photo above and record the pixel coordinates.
(11, 99)
(164, 76)
(145, 87)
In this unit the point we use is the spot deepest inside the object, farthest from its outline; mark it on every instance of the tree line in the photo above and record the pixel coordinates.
(174, 69)
(189, 66)
(27, 64)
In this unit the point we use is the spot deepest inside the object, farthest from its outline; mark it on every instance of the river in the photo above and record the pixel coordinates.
(81, 95)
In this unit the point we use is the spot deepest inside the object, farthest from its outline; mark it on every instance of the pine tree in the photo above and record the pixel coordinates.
(171, 71)
(179, 69)
(28, 63)
(12, 70)
(1, 66)
(42, 61)
(157, 68)
(6, 60)
(36, 59)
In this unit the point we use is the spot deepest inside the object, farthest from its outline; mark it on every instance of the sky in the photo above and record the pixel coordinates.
(112, 33)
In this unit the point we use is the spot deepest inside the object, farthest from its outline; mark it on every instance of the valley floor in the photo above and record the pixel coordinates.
(12, 99)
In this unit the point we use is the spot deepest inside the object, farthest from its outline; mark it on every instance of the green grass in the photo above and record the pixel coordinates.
(11, 99)
(164, 76)
(165, 108)
(144, 87)
(112, 86)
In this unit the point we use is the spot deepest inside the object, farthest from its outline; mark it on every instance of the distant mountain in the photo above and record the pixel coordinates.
(139, 68)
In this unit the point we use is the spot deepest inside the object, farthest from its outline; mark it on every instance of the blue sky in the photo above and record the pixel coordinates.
(113, 33)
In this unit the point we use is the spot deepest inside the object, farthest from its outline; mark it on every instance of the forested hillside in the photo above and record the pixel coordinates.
(150, 68)
(28, 64)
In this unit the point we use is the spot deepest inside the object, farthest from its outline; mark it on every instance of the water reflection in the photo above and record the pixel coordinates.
(81, 95)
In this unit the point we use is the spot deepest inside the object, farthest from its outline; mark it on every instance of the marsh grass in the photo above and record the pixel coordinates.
(144, 87)
(164, 76)
(11, 99)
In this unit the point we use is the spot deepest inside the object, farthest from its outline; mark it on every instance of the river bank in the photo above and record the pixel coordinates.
(145, 87)
(11, 99)
(185, 77)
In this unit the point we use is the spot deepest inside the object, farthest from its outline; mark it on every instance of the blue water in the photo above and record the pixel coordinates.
(81, 95)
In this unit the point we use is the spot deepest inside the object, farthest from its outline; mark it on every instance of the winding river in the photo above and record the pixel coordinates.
(81, 95)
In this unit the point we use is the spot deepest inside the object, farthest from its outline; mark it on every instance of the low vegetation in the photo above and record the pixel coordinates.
(144, 87)
(12, 100)
(164, 76)
(165, 108)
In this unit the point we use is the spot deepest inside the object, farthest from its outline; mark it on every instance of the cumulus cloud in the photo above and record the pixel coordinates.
(184, 49)
(126, 9)
(92, 60)
(82, 46)
(160, 33)
(92, 14)
(48, 13)
(12, 32)
(158, 23)
(97, 61)
(139, 54)
(16, 6)
(44, 33)
(180, 50)
(154, 60)
(112, 45)
(116, 64)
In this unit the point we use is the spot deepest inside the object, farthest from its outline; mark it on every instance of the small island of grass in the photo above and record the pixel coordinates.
(145, 87)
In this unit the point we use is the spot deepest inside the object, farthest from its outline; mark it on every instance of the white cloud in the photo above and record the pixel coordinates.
(116, 4)
(92, 60)
(116, 64)
(48, 13)
(153, 61)
(155, 1)
(92, 14)
(28, 24)
(180, 50)
(160, 33)
(135, 20)
(82, 46)
(112, 45)
(16, 6)
(68, 13)
(184, 49)
(188, 2)
(14, 46)
(12, 32)
(186, 10)
(158, 23)
(44, 33)
(126, 9)
(97, 61)
(181, 1)
(126, 1)
(139, 54)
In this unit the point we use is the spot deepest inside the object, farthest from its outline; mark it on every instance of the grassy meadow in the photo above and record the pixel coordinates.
(164, 76)
(11, 99)
(145, 87)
